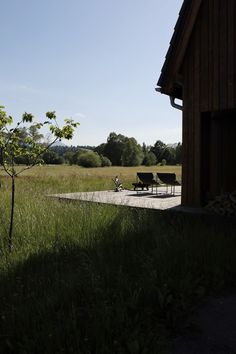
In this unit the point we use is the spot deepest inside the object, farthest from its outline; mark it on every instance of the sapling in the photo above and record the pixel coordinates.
(14, 145)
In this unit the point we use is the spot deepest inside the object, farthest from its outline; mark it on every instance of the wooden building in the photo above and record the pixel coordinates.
(200, 69)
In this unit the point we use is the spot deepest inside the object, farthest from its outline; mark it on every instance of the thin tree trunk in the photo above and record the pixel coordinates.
(12, 213)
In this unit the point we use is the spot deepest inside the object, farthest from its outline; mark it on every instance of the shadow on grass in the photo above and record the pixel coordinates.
(125, 293)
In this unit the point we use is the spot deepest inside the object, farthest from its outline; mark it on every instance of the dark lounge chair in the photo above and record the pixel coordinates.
(145, 180)
(169, 179)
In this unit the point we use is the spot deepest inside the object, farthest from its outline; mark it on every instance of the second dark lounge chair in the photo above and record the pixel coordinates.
(169, 179)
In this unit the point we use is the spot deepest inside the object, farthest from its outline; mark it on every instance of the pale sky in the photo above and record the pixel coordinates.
(97, 61)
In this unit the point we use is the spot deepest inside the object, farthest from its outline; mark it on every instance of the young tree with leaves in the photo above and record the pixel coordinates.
(15, 145)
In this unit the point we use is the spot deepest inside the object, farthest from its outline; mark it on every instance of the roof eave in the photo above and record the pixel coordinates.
(169, 79)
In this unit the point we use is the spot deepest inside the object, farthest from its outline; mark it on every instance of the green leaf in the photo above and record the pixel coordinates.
(27, 117)
(51, 115)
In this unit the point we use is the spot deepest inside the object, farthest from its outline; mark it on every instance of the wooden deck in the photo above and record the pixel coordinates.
(142, 199)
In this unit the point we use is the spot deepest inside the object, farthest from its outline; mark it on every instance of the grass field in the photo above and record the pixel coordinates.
(87, 278)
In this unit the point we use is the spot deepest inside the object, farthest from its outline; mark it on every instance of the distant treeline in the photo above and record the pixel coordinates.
(118, 150)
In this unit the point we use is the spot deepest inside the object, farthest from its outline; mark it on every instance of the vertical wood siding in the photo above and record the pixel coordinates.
(209, 71)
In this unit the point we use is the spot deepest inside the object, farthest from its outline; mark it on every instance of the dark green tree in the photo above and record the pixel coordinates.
(145, 149)
(178, 153)
(114, 148)
(160, 150)
(100, 149)
(132, 154)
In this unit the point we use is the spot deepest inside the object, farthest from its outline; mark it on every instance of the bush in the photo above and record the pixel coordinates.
(69, 157)
(105, 161)
(163, 162)
(149, 159)
(89, 159)
(51, 157)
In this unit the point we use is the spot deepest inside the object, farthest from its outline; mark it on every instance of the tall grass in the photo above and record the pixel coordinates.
(90, 278)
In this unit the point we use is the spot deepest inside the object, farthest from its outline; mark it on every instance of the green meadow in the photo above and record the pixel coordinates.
(89, 278)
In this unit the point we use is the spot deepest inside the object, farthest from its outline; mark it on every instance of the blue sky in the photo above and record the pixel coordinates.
(97, 61)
